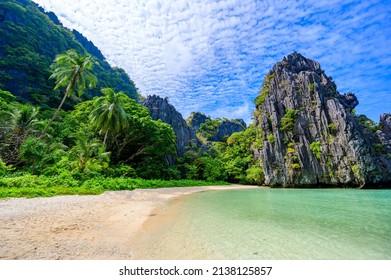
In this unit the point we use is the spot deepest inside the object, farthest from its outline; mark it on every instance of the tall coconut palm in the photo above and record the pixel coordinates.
(71, 71)
(109, 115)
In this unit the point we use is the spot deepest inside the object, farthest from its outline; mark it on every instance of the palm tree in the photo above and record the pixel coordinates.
(24, 121)
(88, 153)
(71, 71)
(109, 114)
(16, 126)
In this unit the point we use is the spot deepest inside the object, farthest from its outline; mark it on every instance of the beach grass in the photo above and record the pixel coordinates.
(45, 186)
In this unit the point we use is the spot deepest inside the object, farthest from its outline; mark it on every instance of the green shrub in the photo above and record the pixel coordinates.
(32, 151)
(4, 169)
(367, 123)
(121, 170)
(316, 149)
(255, 175)
(213, 169)
(288, 121)
(333, 127)
(271, 138)
(356, 170)
(291, 151)
(66, 184)
(312, 87)
(260, 99)
(156, 168)
(209, 128)
(295, 166)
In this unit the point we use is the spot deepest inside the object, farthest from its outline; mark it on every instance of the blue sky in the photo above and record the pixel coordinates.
(211, 56)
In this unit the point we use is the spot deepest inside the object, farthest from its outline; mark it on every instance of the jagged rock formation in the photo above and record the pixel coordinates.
(214, 129)
(161, 109)
(385, 123)
(307, 134)
(384, 134)
(196, 119)
(227, 128)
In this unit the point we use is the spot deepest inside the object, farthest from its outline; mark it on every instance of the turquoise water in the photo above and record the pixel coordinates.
(273, 224)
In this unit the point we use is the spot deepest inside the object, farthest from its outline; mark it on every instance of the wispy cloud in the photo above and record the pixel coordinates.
(211, 56)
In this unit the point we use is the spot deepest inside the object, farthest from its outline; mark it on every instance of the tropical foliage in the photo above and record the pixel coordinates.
(109, 114)
(71, 71)
(30, 40)
(71, 124)
(86, 149)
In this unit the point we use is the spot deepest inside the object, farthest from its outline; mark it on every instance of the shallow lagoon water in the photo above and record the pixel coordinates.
(271, 224)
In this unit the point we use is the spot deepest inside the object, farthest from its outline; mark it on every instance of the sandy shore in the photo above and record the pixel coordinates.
(81, 227)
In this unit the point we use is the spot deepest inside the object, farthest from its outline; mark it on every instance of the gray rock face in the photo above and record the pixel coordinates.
(385, 123)
(160, 109)
(227, 128)
(223, 129)
(307, 135)
(384, 134)
(196, 119)
(350, 100)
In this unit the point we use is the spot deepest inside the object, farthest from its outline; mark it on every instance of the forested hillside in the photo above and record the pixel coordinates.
(30, 40)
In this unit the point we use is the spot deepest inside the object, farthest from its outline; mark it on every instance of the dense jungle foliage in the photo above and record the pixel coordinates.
(109, 142)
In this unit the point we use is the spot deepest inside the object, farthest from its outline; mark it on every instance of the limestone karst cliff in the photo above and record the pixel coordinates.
(227, 128)
(214, 129)
(196, 119)
(161, 109)
(308, 134)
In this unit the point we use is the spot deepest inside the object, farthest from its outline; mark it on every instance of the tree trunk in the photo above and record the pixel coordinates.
(67, 91)
(54, 115)
(105, 138)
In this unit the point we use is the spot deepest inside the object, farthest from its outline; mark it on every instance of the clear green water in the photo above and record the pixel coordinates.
(274, 224)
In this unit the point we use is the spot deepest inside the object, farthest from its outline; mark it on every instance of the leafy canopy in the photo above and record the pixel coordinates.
(109, 113)
(72, 71)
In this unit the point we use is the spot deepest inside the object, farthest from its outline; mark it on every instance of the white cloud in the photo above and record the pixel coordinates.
(234, 112)
(213, 55)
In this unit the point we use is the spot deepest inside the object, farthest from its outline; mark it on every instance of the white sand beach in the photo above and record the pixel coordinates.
(89, 227)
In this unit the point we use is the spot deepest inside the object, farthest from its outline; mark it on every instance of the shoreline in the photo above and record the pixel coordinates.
(91, 227)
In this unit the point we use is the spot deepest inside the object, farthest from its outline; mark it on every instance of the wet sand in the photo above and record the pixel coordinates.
(98, 227)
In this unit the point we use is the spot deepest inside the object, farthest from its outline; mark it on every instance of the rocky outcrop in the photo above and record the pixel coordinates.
(161, 109)
(196, 119)
(307, 135)
(385, 124)
(227, 128)
(384, 134)
(214, 129)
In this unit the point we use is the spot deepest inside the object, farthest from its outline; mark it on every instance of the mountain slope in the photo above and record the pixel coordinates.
(29, 41)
